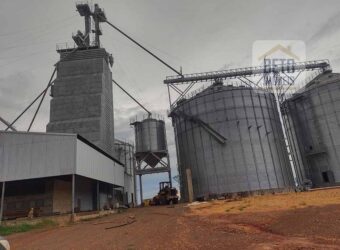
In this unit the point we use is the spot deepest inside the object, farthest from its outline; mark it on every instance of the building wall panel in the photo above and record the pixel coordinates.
(62, 196)
(35, 155)
(89, 160)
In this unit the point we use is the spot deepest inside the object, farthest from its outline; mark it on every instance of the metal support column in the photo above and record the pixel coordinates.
(141, 189)
(113, 197)
(87, 29)
(97, 28)
(2, 201)
(98, 198)
(134, 187)
(170, 178)
(73, 192)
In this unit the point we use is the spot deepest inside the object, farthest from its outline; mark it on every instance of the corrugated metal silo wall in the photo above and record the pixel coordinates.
(289, 120)
(161, 135)
(150, 135)
(254, 156)
(314, 116)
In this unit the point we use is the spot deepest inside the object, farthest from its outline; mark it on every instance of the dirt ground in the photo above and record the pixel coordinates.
(309, 220)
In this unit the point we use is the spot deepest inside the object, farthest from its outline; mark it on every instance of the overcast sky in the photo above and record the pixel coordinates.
(198, 35)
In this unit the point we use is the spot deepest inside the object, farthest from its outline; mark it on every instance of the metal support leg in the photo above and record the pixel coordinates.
(125, 197)
(170, 178)
(168, 159)
(73, 192)
(2, 201)
(113, 197)
(141, 189)
(134, 190)
(98, 198)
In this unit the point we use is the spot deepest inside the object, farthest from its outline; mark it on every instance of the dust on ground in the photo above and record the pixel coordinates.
(308, 220)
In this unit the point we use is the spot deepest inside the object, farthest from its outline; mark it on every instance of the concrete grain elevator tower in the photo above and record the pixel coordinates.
(82, 92)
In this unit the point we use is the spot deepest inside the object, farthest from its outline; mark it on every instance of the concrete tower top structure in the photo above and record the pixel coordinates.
(82, 99)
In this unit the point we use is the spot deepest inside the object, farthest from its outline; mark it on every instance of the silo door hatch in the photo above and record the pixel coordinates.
(328, 176)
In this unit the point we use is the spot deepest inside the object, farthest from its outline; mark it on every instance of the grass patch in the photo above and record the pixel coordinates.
(24, 227)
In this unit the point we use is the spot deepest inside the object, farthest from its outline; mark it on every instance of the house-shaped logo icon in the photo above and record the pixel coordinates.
(279, 48)
(282, 55)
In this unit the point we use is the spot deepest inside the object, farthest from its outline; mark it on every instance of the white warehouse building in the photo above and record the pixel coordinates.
(57, 173)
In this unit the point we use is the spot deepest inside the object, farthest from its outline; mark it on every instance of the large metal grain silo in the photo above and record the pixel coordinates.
(312, 117)
(231, 140)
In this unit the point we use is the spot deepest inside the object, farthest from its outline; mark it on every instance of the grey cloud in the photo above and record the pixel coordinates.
(330, 27)
(13, 89)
